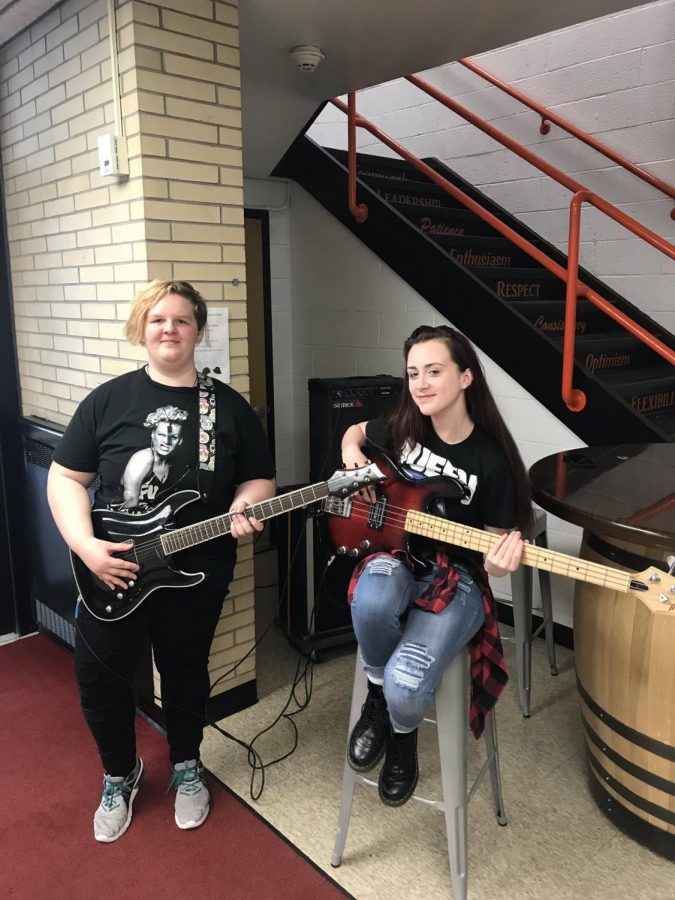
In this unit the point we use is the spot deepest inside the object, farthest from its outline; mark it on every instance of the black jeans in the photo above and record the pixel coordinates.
(180, 625)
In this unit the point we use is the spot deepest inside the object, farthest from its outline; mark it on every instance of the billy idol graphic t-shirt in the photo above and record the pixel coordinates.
(141, 438)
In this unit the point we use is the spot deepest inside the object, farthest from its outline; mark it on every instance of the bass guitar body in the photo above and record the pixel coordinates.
(357, 528)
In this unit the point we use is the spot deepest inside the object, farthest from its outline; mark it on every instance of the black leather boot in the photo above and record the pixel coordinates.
(369, 736)
(399, 774)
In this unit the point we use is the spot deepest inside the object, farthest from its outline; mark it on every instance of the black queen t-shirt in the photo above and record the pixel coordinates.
(479, 463)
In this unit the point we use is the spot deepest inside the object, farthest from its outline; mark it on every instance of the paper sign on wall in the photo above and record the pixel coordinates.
(212, 356)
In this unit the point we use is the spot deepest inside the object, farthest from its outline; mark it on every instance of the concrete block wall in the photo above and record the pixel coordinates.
(613, 77)
(80, 245)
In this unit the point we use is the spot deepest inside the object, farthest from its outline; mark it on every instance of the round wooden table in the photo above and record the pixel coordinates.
(624, 628)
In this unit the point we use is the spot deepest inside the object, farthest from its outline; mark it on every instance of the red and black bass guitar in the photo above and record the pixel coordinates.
(357, 528)
(156, 538)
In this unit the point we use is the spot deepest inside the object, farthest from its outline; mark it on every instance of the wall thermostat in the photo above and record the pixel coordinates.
(112, 155)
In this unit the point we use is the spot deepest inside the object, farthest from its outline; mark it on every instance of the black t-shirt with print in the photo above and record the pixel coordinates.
(141, 438)
(479, 463)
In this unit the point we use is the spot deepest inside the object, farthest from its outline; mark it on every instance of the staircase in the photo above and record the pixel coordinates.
(504, 301)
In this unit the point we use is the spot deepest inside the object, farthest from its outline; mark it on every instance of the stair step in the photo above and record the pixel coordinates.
(486, 253)
(413, 194)
(602, 353)
(647, 375)
(392, 167)
(548, 316)
(447, 222)
(647, 391)
(664, 420)
(522, 284)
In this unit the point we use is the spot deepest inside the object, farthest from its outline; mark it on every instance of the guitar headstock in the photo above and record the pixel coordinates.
(347, 481)
(656, 588)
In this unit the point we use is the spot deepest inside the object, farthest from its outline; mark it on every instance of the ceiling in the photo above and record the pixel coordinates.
(365, 42)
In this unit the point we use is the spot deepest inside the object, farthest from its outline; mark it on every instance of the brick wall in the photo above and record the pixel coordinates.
(81, 244)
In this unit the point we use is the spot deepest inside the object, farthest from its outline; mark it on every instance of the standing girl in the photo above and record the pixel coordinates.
(409, 625)
(203, 436)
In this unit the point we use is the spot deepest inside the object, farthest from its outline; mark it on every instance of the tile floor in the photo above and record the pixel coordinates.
(557, 843)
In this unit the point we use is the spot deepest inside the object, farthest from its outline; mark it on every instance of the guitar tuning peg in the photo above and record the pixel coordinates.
(671, 564)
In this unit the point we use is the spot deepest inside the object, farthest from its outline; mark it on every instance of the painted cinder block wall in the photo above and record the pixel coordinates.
(614, 77)
(80, 244)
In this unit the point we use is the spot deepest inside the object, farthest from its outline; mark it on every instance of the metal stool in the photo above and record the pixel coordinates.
(521, 592)
(452, 723)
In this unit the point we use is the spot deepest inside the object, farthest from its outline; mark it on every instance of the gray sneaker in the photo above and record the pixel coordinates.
(192, 795)
(113, 816)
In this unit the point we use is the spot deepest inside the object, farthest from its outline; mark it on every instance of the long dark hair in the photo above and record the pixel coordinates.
(407, 424)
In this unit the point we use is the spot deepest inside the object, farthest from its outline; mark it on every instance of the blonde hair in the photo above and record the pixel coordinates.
(151, 295)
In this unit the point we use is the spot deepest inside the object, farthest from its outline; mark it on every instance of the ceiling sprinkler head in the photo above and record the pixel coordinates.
(307, 57)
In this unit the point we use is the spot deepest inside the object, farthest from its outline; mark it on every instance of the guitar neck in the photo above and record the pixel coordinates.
(446, 532)
(218, 526)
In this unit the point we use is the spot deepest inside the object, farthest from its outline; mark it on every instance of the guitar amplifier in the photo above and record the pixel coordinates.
(313, 608)
(313, 602)
(337, 403)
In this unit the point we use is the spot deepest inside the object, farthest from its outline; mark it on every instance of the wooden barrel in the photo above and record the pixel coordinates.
(625, 661)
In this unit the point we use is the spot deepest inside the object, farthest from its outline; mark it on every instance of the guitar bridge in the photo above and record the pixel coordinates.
(338, 506)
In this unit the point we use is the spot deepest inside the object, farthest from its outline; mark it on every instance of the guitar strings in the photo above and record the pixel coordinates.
(144, 549)
(396, 516)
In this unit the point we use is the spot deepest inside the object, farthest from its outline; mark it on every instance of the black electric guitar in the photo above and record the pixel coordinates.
(357, 528)
(156, 538)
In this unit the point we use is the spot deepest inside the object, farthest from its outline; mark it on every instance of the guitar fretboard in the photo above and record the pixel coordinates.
(221, 525)
(446, 532)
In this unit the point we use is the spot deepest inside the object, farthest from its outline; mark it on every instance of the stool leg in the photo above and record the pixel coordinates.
(492, 749)
(359, 692)
(452, 718)
(547, 606)
(521, 593)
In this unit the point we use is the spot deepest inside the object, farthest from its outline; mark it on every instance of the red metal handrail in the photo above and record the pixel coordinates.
(548, 116)
(574, 400)
(358, 210)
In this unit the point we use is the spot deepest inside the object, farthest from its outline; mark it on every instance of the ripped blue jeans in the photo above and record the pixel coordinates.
(406, 648)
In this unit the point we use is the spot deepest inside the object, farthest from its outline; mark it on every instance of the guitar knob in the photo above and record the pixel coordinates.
(365, 545)
(119, 595)
(355, 552)
(341, 551)
(108, 609)
(132, 583)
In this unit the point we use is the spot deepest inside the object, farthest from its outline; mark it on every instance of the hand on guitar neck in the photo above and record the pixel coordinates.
(505, 555)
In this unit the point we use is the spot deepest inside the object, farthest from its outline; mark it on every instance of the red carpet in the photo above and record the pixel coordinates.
(50, 783)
